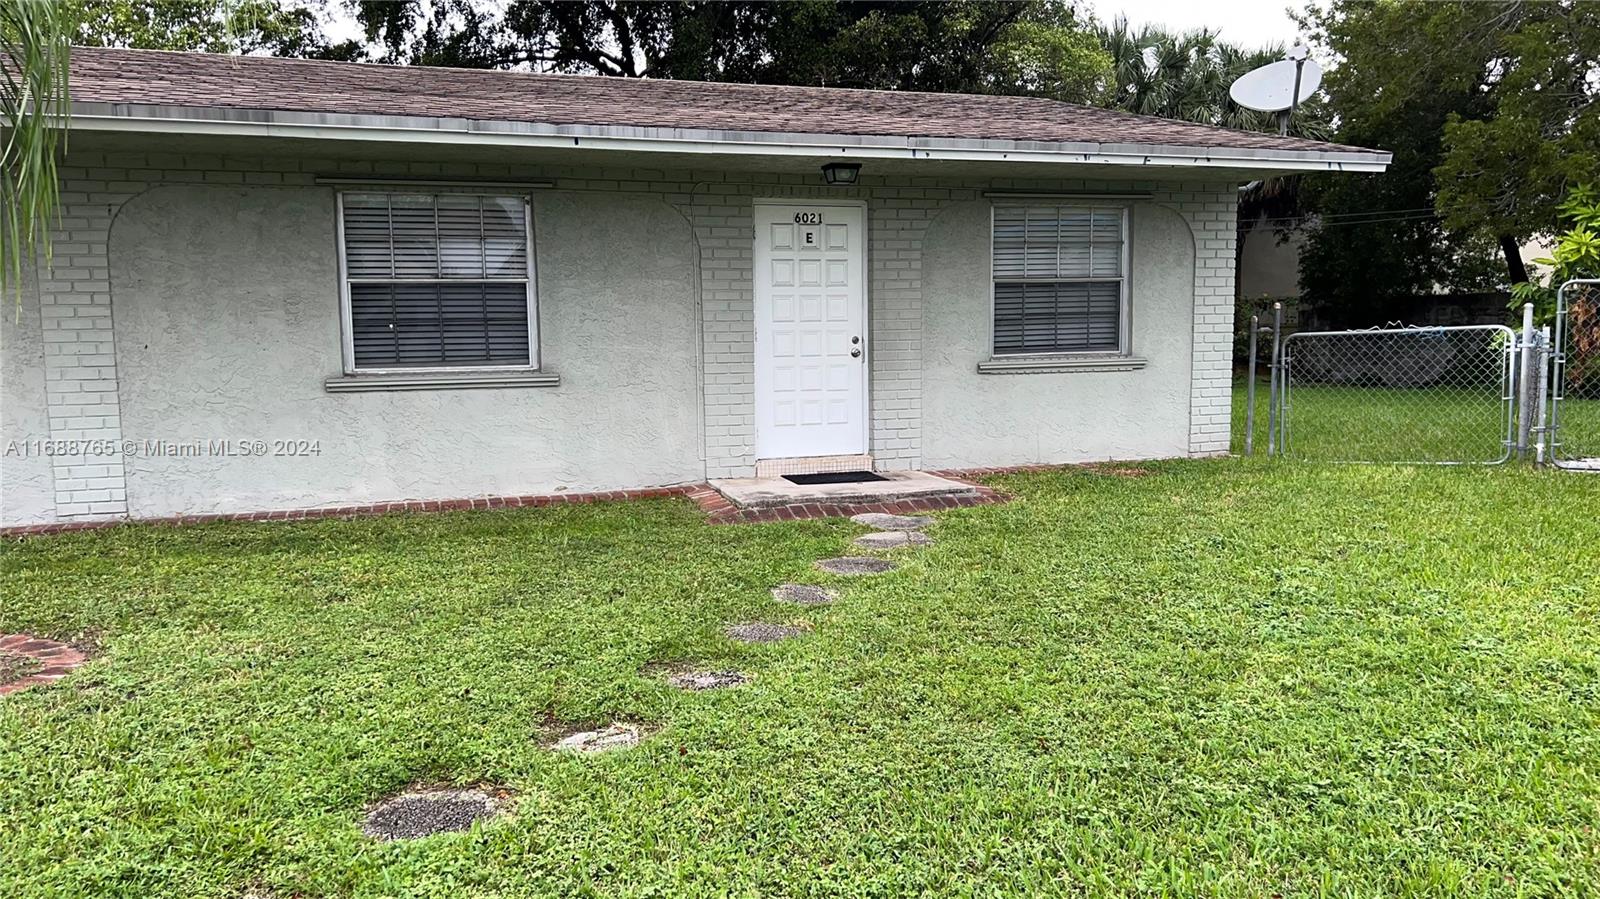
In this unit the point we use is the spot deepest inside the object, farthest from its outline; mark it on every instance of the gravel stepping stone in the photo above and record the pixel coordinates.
(855, 565)
(893, 539)
(588, 742)
(761, 632)
(803, 594)
(695, 681)
(421, 813)
(886, 522)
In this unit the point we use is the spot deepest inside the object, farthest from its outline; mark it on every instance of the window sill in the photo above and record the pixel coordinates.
(444, 380)
(1040, 365)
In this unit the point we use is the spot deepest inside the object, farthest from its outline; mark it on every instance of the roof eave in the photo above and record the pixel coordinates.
(229, 121)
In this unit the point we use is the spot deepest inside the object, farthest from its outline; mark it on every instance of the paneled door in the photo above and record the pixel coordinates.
(811, 338)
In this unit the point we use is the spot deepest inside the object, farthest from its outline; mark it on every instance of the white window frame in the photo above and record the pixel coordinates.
(530, 281)
(1125, 303)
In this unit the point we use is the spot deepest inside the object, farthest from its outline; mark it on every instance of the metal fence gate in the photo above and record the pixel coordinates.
(1574, 389)
(1430, 395)
(1437, 395)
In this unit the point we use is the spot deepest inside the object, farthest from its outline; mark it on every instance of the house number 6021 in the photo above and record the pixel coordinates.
(808, 218)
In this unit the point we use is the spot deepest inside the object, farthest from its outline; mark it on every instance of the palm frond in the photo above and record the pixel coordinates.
(35, 43)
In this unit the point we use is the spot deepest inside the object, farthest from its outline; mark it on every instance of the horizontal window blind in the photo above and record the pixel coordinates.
(1058, 279)
(437, 281)
(1057, 317)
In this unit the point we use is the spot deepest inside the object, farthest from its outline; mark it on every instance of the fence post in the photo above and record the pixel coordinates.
(1275, 385)
(1524, 381)
(1542, 391)
(1250, 393)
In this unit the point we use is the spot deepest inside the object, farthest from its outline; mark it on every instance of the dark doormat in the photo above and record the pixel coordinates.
(835, 477)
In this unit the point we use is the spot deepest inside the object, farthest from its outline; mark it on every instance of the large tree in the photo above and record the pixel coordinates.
(278, 27)
(1035, 47)
(1489, 110)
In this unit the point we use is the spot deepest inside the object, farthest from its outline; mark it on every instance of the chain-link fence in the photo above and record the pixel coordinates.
(1439, 395)
(1575, 385)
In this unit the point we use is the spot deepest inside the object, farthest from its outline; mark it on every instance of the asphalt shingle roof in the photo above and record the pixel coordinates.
(295, 85)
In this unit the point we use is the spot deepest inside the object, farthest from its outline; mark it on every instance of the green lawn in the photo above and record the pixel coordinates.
(1233, 678)
(1335, 423)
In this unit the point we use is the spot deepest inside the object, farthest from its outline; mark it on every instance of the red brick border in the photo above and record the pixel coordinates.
(717, 508)
(57, 658)
(413, 505)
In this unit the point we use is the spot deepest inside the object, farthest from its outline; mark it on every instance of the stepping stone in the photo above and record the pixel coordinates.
(761, 632)
(885, 522)
(421, 813)
(803, 594)
(589, 742)
(893, 539)
(695, 681)
(853, 565)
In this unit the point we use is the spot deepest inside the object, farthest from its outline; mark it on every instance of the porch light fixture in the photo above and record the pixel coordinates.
(841, 172)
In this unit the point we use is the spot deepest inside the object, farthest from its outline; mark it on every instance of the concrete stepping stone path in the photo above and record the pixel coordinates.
(854, 565)
(424, 812)
(804, 595)
(696, 681)
(892, 539)
(762, 632)
(589, 742)
(886, 522)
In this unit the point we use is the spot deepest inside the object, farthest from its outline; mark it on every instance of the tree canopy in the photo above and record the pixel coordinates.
(1489, 108)
(1036, 47)
(213, 26)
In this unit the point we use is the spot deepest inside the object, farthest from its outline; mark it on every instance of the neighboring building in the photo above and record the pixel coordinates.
(1269, 264)
(282, 284)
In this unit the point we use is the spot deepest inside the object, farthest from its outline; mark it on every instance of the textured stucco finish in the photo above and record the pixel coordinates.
(27, 488)
(195, 296)
(972, 419)
(228, 322)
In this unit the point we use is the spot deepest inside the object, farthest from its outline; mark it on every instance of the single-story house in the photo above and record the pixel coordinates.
(287, 284)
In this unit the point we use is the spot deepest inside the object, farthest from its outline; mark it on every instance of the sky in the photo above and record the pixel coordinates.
(1249, 23)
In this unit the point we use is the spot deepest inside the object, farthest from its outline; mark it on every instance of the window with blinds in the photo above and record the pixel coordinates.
(1059, 279)
(437, 281)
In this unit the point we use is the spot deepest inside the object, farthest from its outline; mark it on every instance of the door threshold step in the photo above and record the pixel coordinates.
(773, 492)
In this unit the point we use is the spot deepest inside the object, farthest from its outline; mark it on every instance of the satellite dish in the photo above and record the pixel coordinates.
(1272, 88)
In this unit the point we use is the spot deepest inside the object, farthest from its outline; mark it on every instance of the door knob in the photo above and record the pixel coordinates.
(856, 352)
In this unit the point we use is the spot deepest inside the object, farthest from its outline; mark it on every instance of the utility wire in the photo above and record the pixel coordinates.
(1330, 222)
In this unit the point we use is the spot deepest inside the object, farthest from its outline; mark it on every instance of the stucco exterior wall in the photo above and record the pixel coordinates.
(220, 274)
(27, 481)
(228, 323)
(972, 419)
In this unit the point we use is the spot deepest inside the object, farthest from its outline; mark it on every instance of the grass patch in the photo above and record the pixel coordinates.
(1335, 423)
(1224, 678)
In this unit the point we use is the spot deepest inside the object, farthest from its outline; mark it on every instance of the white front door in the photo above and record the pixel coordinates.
(811, 338)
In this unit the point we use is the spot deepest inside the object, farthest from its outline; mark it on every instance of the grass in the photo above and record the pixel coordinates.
(1228, 678)
(1335, 423)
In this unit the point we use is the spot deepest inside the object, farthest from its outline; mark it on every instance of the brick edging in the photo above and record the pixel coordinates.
(56, 658)
(414, 505)
(717, 508)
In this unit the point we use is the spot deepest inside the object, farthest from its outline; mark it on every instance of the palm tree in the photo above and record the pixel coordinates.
(35, 39)
(1186, 76)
